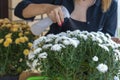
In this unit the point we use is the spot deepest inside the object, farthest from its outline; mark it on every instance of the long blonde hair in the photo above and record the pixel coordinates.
(106, 5)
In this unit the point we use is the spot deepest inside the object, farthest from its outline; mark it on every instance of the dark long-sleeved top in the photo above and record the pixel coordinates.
(96, 19)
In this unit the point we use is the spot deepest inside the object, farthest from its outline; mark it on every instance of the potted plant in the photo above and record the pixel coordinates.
(75, 55)
(15, 42)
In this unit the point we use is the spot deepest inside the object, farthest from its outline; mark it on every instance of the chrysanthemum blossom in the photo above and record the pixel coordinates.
(102, 68)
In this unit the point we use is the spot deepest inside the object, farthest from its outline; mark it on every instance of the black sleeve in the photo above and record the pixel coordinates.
(111, 21)
(23, 4)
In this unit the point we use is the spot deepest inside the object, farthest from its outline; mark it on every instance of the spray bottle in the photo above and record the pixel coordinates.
(41, 25)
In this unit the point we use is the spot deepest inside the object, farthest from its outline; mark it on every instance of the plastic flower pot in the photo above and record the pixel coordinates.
(37, 78)
(42, 78)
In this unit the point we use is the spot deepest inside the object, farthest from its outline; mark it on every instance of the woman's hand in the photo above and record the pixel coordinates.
(56, 15)
(117, 40)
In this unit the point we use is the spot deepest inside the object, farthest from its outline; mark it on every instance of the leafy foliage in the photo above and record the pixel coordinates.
(15, 43)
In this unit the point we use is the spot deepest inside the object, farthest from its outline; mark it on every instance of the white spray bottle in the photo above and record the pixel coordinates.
(41, 25)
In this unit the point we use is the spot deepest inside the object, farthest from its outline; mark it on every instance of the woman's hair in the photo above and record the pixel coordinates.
(106, 4)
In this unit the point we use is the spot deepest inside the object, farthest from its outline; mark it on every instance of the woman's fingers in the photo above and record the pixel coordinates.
(61, 15)
(56, 15)
(52, 17)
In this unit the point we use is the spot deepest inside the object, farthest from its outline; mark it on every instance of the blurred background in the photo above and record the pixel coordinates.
(118, 30)
(7, 11)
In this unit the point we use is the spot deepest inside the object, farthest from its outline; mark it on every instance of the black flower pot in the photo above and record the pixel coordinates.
(9, 78)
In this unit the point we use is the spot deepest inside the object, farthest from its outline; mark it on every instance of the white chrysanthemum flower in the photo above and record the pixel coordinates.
(43, 55)
(118, 45)
(114, 44)
(49, 40)
(34, 64)
(38, 41)
(36, 51)
(91, 35)
(95, 58)
(60, 39)
(117, 54)
(41, 39)
(75, 43)
(85, 37)
(76, 32)
(46, 46)
(100, 33)
(116, 78)
(116, 57)
(31, 55)
(109, 45)
(95, 34)
(108, 36)
(85, 32)
(104, 38)
(97, 39)
(117, 51)
(35, 44)
(70, 33)
(62, 34)
(28, 64)
(102, 68)
(57, 47)
(31, 65)
(66, 42)
(52, 36)
(104, 47)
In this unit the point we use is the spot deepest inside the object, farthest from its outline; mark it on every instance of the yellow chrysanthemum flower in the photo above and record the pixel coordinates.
(28, 29)
(26, 38)
(16, 26)
(1, 20)
(22, 39)
(23, 26)
(17, 41)
(20, 34)
(8, 25)
(27, 32)
(8, 35)
(3, 25)
(30, 45)
(14, 29)
(9, 40)
(6, 44)
(1, 41)
(6, 20)
(26, 52)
